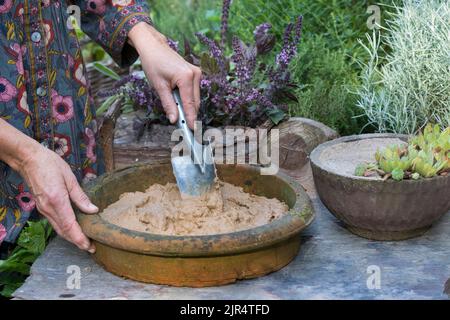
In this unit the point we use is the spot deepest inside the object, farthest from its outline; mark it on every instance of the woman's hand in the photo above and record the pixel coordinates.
(50, 180)
(166, 69)
(53, 186)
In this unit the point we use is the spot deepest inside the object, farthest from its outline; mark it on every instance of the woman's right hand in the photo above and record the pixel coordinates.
(54, 186)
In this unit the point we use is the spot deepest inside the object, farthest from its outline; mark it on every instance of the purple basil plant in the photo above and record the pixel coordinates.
(239, 97)
(232, 90)
(137, 94)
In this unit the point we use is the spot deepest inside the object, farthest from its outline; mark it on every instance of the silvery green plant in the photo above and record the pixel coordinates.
(406, 82)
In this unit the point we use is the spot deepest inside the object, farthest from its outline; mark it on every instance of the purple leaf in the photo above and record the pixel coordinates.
(263, 40)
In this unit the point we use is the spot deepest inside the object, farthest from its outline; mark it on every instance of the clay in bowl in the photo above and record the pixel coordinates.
(196, 260)
(368, 206)
(225, 208)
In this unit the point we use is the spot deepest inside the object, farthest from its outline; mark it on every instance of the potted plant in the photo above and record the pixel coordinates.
(385, 186)
(239, 90)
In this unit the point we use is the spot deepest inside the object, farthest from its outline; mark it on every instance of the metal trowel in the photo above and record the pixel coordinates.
(195, 173)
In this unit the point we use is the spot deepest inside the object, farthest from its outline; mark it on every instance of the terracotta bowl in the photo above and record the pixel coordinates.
(196, 261)
(376, 209)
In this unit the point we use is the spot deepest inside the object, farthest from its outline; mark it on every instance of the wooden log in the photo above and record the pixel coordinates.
(155, 144)
(297, 138)
(107, 124)
(127, 155)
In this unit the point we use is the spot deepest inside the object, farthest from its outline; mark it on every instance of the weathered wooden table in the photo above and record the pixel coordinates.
(332, 264)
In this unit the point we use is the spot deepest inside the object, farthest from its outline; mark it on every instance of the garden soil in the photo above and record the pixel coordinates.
(160, 210)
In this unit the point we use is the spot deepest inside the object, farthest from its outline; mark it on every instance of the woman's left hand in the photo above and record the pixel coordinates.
(166, 69)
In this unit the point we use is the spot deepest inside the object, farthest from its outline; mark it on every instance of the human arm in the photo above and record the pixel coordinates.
(125, 31)
(51, 182)
(166, 70)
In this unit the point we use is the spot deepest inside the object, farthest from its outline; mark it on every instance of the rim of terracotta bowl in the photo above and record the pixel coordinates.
(315, 161)
(298, 218)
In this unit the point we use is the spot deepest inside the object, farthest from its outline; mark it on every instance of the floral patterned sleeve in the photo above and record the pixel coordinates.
(108, 23)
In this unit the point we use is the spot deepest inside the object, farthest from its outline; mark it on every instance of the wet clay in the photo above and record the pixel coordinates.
(160, 210)
(343, 158)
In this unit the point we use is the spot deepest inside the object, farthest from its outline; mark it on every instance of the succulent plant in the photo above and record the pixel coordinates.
(392, 158)
(434, 155)
(426, 155)
(398, 174)
(360, 169)
(415, 176)
(432, 137)
(426, 165)
(367, 169)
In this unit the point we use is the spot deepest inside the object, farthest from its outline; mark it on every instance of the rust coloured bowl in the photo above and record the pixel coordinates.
(376, 209)
(196, 261)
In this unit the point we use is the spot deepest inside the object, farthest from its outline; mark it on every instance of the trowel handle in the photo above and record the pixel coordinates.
(196, 148)
(181, 122)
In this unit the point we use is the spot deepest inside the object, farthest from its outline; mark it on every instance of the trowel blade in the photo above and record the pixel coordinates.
(190, 179)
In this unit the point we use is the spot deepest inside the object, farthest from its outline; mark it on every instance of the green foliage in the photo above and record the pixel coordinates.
(393, 158)
(276, 115)
(408, 86)
(341, 22)
(31, 243)
(326, 66)
(127, 105)
(106, 104)
(325, 94)
(433, 138)
(426, 155)
(360, 169)
(182, 19)
(415, 70)
(90, 50)
(106, 71)
(434, 154)
(397, 174)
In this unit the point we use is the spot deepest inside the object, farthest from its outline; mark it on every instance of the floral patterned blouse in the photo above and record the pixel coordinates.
(43, 87)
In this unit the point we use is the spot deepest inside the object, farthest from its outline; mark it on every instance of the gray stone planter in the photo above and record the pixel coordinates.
(377, 209)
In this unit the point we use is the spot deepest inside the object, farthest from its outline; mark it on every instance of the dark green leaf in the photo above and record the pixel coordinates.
(11, 278)
(30, 245)
(275, 115)
(106, 104)
(106, 71)
(14, 266)
(23, 255)
(33, 238)
(9, 289)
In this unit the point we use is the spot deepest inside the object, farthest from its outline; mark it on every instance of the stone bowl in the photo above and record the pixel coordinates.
(377, 209)
(196, 261)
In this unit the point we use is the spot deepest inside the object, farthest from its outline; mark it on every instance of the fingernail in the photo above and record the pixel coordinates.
(91, 249)
(93, 207)
(172, 118)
